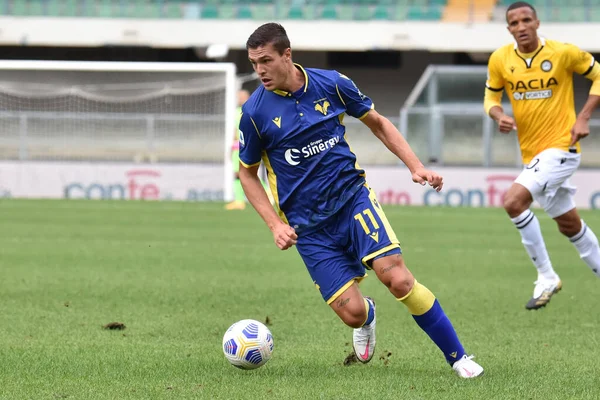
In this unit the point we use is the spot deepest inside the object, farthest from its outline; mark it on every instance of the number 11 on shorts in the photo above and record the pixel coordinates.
(359, 217)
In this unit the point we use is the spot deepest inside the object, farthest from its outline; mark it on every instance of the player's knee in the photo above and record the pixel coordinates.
(355, 322)
(514, 206)
(355, 317)
(569, 224)
(569, 228)
(396, 276)
(402, 285)
(401, 281)
(351, 309)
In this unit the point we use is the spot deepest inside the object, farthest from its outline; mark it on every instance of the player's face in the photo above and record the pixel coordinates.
(271, 67)
(523, 25)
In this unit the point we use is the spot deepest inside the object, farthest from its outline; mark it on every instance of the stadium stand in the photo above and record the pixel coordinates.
(466, 10)
(230, 9)
(455, 127)
(447, 11)
(363, 10)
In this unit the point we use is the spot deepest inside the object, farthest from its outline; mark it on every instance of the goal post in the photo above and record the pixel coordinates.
(136, 112)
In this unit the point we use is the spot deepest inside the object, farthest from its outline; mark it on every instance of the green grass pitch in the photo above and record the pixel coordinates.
(178, 274)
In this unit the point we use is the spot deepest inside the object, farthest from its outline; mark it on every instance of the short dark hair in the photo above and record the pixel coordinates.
(520, 4)
(269, 33)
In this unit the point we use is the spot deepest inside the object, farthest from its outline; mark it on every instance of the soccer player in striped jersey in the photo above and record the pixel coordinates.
(537, 75)
(294, 124)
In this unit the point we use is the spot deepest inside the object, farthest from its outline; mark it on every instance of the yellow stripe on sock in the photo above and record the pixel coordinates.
(367, 308)
(419, 300)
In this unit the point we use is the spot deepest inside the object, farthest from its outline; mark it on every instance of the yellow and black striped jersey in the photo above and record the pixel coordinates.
(540, 88)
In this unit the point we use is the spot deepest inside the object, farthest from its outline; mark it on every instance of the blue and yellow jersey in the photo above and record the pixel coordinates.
(540, 88)
(301, 139)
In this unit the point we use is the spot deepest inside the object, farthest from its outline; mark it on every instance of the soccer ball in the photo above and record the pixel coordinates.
(248, 344)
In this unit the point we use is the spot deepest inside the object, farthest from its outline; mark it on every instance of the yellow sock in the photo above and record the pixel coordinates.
(429, 315)
(419, 300)
(370, 312)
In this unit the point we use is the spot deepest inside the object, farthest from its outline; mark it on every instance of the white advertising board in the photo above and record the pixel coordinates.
(468, 187)
(463, 187)
(111, 181)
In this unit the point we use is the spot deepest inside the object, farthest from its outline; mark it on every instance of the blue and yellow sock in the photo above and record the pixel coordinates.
(370, 311)
(430, 317)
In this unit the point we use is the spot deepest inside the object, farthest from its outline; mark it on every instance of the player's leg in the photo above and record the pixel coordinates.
(517, 201)
(336, 274)
(361, 317)
(572, 226)
(350, 306)
(426, 311)
(239, 198)
(377, 246)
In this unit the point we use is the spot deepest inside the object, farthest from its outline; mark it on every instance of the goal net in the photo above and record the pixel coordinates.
(116, 112)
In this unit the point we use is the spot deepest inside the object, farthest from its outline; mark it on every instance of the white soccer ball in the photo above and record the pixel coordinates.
(248, 344)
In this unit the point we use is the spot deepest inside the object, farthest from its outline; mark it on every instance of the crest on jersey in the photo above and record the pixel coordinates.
(241, 139)
(322, 108)
(546, 65)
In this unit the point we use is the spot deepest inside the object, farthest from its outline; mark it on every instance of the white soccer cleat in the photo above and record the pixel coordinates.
(363, 339)
(543, 291)
(467, 368)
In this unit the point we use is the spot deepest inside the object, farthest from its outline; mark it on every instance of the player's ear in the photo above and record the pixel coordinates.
(288, 54)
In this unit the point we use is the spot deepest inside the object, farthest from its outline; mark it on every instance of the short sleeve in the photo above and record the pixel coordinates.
(495, 79)
(356, 103)
(579, 61)
(250, 142)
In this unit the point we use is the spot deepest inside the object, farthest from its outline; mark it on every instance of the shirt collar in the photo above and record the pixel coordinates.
(541, 43)
(284, 93)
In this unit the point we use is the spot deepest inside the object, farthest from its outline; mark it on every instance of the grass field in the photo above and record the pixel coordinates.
(178, 274)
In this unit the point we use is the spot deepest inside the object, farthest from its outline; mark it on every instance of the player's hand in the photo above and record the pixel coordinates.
(506, 124)
(580, 130)
(424, 176)
(284, 236)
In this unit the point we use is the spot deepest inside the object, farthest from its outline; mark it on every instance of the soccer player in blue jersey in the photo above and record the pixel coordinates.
(293, 123)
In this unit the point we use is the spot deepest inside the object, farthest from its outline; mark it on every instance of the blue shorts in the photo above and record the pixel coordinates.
(342, 250)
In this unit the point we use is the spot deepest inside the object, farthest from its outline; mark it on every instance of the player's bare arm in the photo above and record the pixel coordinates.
(395, 142)
(505, 122)
(494, 86)
(283, 234)
(581, 129)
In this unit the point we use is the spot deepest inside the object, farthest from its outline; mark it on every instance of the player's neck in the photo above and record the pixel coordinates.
(530, 47)
(295, 81)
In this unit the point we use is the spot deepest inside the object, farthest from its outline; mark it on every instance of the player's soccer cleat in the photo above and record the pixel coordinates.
(363, 339)
(467, 368)
(235, 205)
(543, 292)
